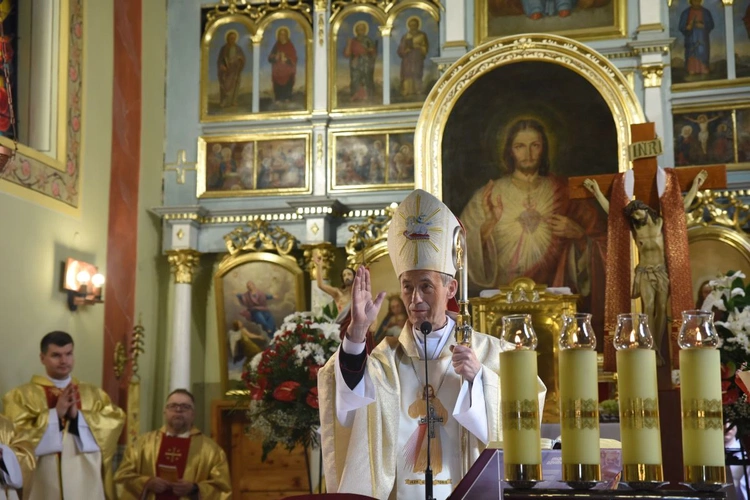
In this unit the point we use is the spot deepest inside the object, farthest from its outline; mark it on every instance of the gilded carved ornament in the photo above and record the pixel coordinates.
(258, 236)
(720, 208)
(327, 257)
(384, 6)
(367, 235)
(256, 12)
(652, 75)
(183, 264)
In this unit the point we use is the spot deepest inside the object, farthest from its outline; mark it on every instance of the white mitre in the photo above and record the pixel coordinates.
(421, 235)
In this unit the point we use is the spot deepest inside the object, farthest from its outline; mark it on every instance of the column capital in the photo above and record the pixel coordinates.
(652, 75)
(183, 264)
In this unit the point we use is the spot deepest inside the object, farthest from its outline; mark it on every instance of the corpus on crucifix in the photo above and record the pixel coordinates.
(656, 220)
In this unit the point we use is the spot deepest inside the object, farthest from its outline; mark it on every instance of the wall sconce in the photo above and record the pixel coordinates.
(83, 282)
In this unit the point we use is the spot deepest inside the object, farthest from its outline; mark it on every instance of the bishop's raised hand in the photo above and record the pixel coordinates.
(364, 309)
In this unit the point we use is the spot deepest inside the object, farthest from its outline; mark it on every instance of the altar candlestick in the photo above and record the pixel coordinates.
(639, 400)
(579, 400)
(522, 452)
(700, 391)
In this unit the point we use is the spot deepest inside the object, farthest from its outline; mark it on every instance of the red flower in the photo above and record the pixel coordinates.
(729, 394)
(257, 389)
(286, 391)
(312, 398)
(314, 372)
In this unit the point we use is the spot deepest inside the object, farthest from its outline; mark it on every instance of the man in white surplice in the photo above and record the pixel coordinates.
(372, 405)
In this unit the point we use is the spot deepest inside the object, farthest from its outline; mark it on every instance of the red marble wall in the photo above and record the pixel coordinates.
(122, 237)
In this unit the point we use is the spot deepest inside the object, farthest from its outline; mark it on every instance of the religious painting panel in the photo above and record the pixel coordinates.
(579, 19)
(357, 59)
(415, 40)
(9, 52)
(741, 28)
(743, 135)
(227, 69)
(699, 54)
(546, 124)
(254, 293)
(284, 61)
(371, 160)
(704, 137)
(253, 165)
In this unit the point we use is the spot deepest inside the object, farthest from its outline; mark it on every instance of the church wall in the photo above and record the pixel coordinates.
(37, 237)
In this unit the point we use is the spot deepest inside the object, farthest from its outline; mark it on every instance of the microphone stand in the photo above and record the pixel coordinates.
(426, 328)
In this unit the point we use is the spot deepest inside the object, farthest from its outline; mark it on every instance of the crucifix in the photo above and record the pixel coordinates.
(431, 419)
(663, 229)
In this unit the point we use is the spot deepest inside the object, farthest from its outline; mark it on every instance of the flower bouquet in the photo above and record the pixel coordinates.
(282, 382)
(729, 299)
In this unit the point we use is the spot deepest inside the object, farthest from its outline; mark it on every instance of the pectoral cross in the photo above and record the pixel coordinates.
(431, 420)
(173, 454)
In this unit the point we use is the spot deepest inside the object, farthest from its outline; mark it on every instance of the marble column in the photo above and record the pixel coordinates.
(122, 238)
(183, 263)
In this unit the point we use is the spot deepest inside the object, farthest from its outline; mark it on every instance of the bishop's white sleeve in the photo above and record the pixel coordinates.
(348, 400)
(14, 477)
(85, 441)
(470, 409)
(51, 441)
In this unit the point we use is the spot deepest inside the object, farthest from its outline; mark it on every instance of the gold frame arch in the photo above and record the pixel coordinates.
(601, 73)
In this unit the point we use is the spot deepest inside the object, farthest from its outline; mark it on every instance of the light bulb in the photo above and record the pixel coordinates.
(83, 277)
(97, 280)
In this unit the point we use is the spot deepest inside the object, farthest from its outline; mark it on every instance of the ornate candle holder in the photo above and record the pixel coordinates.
(519, 401)
(700, 393)
(579, 402)
(639, 403)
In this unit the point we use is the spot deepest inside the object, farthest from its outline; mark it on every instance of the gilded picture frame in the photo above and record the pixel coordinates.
(273, 281)
(600, 126)
(585, 20)
(275, 80)
(370, 160)
(270, 164)
(356, 70)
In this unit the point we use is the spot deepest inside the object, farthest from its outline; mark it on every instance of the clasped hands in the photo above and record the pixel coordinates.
(67, 403)
(364, 311)
(181, 488)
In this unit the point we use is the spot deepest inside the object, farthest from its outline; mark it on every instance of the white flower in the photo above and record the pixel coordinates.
(737, 291)
(713, 300)
(255, 361)
(331, 331)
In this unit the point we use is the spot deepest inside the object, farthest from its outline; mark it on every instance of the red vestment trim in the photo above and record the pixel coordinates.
(171, 462)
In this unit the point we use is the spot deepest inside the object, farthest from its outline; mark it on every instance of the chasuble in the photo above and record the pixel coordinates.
(71, 462)
(17, 460)
(196, 458)
(378, 450)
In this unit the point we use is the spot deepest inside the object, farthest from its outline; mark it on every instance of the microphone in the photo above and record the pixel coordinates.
(426, 328)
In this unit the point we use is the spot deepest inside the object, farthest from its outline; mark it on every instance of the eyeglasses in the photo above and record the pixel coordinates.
(179, 406)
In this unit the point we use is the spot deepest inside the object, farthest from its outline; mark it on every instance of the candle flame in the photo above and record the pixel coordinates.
(698, 337)
(519, 339)
(632, 337)
(574, 338)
